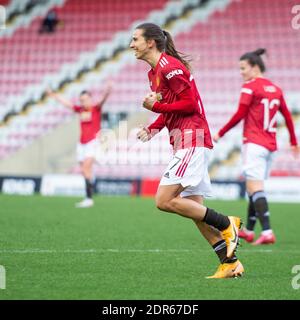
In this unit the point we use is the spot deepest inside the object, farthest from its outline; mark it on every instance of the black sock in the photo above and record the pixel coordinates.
(262, 210)
(221, 251)
(216, 219)
(251, 215)
(88, 188)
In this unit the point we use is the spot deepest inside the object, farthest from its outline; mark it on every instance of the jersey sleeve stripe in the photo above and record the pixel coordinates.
(165, 60)
(247, 90)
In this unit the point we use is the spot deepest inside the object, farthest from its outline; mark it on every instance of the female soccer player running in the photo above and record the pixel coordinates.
(259, 102)
(90, 122)
(186, 181)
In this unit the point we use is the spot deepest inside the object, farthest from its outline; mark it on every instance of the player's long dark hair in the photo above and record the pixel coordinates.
(163, 40)
(254, 58)
(83, 92)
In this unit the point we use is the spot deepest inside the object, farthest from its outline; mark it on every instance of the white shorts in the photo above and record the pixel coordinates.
(86, 150)
(189, 168)
(257, 161)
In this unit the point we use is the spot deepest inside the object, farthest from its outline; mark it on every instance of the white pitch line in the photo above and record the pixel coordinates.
(115, 250)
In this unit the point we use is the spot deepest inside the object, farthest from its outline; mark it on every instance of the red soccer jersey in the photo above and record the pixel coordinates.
(259, 102)
(90, 122)
(187, 125)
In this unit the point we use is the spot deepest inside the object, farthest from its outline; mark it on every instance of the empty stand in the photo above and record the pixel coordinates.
(214, 45)
(28, 56)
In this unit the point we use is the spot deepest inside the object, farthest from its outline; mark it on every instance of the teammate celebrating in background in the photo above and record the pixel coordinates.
(186, 181)
(259, 102)
(90, 124)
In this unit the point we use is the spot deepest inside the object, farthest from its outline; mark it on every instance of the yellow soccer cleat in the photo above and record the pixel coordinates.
(230, 235)
(228, 270)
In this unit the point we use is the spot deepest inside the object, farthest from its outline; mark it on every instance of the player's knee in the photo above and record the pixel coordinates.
(174, 204)
(86, 170)
(167, 205)
(162, 204)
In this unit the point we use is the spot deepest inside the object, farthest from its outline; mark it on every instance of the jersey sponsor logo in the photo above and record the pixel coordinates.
(247, 90)
(174, 73)
(270, 89)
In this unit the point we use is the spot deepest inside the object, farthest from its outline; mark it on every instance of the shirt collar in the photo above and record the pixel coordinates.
(154, 70)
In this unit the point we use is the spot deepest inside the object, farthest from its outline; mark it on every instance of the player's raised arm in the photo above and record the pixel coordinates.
(65, 102)
(106, 94)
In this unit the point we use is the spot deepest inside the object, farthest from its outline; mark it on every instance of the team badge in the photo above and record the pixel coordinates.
(86, 116)
(158, 96)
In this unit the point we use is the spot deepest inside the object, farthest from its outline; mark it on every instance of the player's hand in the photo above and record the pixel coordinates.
(144, 134)
(295, 151)
(149, 100)
(216, 137)
(109, 86)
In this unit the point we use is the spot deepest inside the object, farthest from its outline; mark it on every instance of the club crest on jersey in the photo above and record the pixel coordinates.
(174, 73)
(158, 96)
(86, 116)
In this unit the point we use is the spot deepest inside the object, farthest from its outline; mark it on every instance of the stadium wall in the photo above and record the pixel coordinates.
(54, 184)
(281, 189)
(52, 152)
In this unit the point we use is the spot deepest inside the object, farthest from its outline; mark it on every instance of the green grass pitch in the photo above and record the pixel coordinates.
(124, 248)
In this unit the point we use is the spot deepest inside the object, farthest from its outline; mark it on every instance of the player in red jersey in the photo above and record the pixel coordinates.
(260, 101)
(174, 96)
(90, 123)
